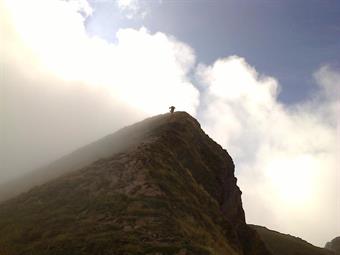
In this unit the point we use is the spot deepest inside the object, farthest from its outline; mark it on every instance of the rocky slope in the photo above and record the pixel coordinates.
(283, 244)
(169, 189)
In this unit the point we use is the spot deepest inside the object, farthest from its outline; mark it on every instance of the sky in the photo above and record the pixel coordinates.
(261, 76)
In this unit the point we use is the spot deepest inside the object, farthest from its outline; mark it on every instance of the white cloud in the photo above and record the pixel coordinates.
(61, 89)
(128, 4)
(132, 8)
(81, 6)
(286, 157)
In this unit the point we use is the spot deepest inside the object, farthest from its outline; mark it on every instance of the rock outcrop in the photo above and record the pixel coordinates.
(334, 245)
(170, 191)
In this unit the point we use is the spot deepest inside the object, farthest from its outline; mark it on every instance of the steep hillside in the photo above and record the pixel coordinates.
(334, 245)
(171, 190)
(282, 244)
(103, 148)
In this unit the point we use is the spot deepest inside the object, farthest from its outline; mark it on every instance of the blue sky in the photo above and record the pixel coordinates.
(287, 39)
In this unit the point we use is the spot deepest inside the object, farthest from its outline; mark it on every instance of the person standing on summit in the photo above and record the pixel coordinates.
(172, 109)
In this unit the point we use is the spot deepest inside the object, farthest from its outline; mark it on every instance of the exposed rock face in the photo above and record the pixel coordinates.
(172, 192)
(283, 244)
(334, 245)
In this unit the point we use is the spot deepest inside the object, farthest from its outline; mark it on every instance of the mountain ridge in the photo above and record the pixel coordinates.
(286, 244)
(172, 191)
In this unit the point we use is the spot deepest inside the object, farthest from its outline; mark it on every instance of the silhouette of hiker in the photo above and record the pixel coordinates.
(172, 109)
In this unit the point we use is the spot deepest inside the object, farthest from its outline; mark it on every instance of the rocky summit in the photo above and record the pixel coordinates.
(168, 189)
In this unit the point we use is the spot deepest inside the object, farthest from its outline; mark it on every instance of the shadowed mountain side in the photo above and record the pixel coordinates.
(283, 244)
(172, 190)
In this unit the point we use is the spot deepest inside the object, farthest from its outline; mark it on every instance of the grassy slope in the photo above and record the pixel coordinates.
(283, 244)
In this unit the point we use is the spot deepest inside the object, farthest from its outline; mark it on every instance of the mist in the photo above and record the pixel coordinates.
(62, 89)
(57, 96)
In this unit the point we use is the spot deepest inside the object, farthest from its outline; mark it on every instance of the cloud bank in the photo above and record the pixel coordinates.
(61, 89)
(286, 156)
